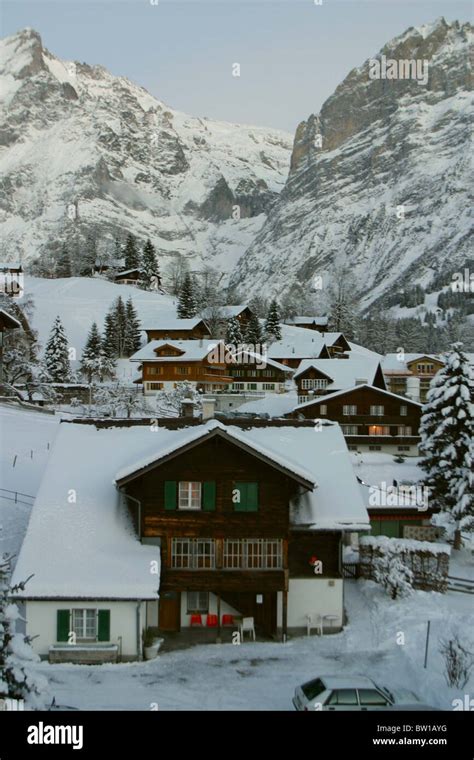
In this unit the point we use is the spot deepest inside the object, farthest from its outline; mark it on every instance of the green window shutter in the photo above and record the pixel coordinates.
(209, 495)
(241, 505)
(170, 494)
(252, 497)
(103, 633)
(62, 625)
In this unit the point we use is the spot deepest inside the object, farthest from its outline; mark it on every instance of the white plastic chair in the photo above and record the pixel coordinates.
(314, 621)
(247, 626)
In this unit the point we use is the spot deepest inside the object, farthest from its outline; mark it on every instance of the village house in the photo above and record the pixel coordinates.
(186, 525)
(371, 419)
(128, 277)
(241, 312)
(399, 510)
(164, 363)
(307, 344)
(252, 372)
(310, 323)
(11, 279)
(317, 377)
(178, 329)
(411, 374)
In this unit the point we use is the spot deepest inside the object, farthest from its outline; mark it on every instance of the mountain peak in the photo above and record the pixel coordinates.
(21, 55)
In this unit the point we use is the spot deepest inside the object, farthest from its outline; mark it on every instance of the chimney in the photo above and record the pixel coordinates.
(208, 408)
(361, 381)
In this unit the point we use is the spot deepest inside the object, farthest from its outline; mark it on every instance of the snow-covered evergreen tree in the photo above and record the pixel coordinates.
(91, 355)
(63, 263)
(233, 334)
(253, 332)
(132, 257)
(17, 678)
(150, 271)
(56, 365)
(447, 441)
(393, 574)
(132, 336)
(187, 302)
(107, 360)
(169, 403)
(88, 256)
(110, 336)
(272, 323)
(119, 313)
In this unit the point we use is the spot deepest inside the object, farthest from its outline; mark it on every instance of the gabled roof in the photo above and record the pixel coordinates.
(392, 363)
(344, 373)
(255, 358)
(227, 312)
(327, 397)
(302, 320)
(196, 436)
(170, 323)
(127, 271)
(191, 350)
(7, 321)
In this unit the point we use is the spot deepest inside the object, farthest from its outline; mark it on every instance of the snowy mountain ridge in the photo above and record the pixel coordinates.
(74, 135)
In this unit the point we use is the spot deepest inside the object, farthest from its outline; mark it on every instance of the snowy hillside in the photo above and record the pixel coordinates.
(71, 133)
(379, 178)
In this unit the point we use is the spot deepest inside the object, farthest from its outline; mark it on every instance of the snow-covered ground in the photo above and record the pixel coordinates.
(376, 467)
(262, 676)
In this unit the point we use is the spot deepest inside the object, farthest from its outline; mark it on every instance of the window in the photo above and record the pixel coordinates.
(155, 370)
(352, 447)
(155, 386)
(375, 448)
(403, 448)
(303, 399)
(238, 373)
(377, 410)
(313, 689)
(197, 602)
(403, 410)
(343, 697)
(270, 372)
(245, 497)
(237, 386)
(252, 373)
(372, 697)
(183, 370)
(323, 409)
(189, 495)
(193, 554)
(404, 430)
(348, 409)
(379, 430)
(251, 386)
(307, 383)
(350, 430)
(253, 554)
(425, 369)
(268, 386)
(84, 623)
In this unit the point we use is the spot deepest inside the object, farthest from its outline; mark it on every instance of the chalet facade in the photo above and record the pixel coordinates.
(308, 344)
(411, 374)
(128, 277)
(190, 525)
(317, 377)
(253, 372)
(164, 363)
(371, 419)
(178, 329)
(11, 279)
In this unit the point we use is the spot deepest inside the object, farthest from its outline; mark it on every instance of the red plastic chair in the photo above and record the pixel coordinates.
(227, 620)
(195, 620)
(211, 621)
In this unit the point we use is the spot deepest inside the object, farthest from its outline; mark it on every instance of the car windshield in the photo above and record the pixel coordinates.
(313, 689)
(384, 690)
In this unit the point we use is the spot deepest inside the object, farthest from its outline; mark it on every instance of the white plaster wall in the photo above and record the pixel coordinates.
(312, 596)
(226, 609)
(42, 621)
(388, 448)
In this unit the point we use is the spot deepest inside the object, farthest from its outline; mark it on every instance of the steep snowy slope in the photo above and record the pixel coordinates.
(74, 134)
(380, 179)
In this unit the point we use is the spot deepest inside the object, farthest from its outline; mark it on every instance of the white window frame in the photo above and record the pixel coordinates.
(323, 409)
(309, 383)
(385, 430)
(350, 429)
(189, 494)
(193, 553)
(349, 410)
(404, 430)
(303, 399)
(83, 619)
(197, 602)
(403, 410)
(253, 554)
(268, 386)
(377, 410)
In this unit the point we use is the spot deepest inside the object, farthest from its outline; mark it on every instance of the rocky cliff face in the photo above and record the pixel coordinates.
(379, 178)
(73, 134)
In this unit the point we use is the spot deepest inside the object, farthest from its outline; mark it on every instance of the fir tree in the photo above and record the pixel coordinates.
(56, 366)
(447, 441)
(272, 323)
(120, 316)
(253, 332)
(107, 360)
(187, 303)
(233, 333)
(17, 679)
(63, 264)
(88, 256)
(132, 334)
(132, 258)
(150, 272)
(91, 361)
(110, 335)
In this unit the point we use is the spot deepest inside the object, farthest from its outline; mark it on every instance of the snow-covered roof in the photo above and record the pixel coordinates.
(9, 321)
(10, 265)
(170, 323)
(344, 373)
(328, 396)
(80, 541)
(227, 312)
(193, 350)
(253, 357)
(302, 320)
(127, 271)
(392, 363)
(273, 404)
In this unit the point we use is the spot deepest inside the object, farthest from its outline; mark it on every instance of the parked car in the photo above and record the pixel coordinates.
(353, 693)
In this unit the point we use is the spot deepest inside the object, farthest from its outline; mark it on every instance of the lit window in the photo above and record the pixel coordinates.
(379, 430)
(189, 495)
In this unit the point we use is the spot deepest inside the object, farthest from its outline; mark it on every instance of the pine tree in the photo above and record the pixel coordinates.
(88, 256)
(110, 334)
(447, 441)
(63, 263)
(132, 335)
(272, 323)
(187, 303)
(132, 258)
(150, 274)
(56, 366)
(91, 363)
(253, 332)
(107, 360)
(17, 679)
(233, 333)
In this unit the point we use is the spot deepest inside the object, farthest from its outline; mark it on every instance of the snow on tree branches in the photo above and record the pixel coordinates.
(56, 365)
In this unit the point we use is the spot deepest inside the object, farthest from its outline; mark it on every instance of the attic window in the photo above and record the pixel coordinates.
(189, 494)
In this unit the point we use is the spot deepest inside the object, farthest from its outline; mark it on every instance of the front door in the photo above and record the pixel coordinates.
(170, 611)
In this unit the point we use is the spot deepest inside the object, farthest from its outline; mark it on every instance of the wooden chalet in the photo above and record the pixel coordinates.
(371, 419)
(178, 329)
(252, 372)
(164, 363)
(320, 324)
(308, 345)
(128, 277)
(317, 377)
(411, 374)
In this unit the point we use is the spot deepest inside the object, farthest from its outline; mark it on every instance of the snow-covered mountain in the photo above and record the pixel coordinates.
(80, 148)
(380, 179)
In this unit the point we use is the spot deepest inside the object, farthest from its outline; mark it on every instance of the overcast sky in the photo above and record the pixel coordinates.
(292, 53)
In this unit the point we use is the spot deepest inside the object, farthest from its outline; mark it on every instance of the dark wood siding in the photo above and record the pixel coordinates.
(304, 545)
